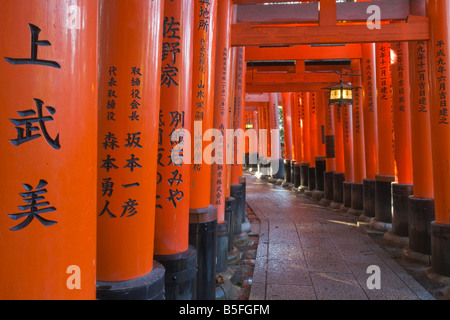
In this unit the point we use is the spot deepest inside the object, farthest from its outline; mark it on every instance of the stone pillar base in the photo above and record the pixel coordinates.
(203, 236)
(148, 287)
(400, 203)
(181, 274)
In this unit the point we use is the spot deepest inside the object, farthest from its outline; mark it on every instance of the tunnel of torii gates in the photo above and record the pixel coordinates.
(106, 192)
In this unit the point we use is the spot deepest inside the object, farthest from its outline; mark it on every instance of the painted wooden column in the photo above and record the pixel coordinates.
(238, 113)
(297, 135)
(304, 164)
(203, 215)
(370, 109)
(421, 204)
(238, 183)
(48, 129)
(339, 174)
(287, 124)
(264, 141)
(347, 126)
(438, 58)
(173, 189)
(313, 141)
(401, 104)
(330, 152)
(386, 165)
(130, 55)
(274, 127)
(359, 159)
(320, 160)
(221, 122)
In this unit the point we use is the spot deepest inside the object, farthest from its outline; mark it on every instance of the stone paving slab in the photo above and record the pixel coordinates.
(309, 252)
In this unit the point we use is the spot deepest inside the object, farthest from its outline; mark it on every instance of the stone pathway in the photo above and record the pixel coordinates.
(309, 252)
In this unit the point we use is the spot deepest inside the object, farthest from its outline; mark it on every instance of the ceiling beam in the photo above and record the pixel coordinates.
(309, 12)
(293, 77)
(290, 87)
(244, 34)
(303, 52)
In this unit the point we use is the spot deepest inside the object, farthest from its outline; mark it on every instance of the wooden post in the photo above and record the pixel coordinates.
(172, 248)
(221, 123)
(421, 203)
(130, 53)
(369, 99)
(304, 164)
(386, 166)
(49, 150)
(359, 159)
(403, 188)
(288, 141)
(439, 51)
(203, 215)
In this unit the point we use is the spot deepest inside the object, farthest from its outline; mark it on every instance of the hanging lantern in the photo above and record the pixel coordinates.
(249, 125)
(341, 93)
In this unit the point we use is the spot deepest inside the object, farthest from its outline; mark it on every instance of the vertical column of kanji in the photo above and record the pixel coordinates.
(439, 51)
(313, 142)
(130, 55)
(330, 152)
(296, 140)
(403, 188)
(369, 98)
(203, 215)
(304, 165)
(287, 124)
(48, 137)
(320, 160)
(347, 126)
(237, 140)
(359, 161)
(386, 166)
(421, 204)
(251, 140)
(172, 249)
(221, 123)
(263, 163)
(274, 133)
(339, 175)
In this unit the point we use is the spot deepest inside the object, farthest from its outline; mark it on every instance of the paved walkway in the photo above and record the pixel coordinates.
(309, 252)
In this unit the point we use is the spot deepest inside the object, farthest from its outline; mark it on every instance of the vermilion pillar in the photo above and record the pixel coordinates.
(320, 161)
(130, 52)
(304, 165)
(264, 139)
(274, 126)
(237, 181)
(287, 121)
(203, 215)
(173, 178)
(347, 126)
(288, 142)
(369, 99)
(386, 166)
(339, 175)
(330, 150)
(438, 51)
(359, 159)
(48, 147)
(421, 204)
(221, 122)
(402, 131)
(238, 113)
(313, 141)
(297, 134)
